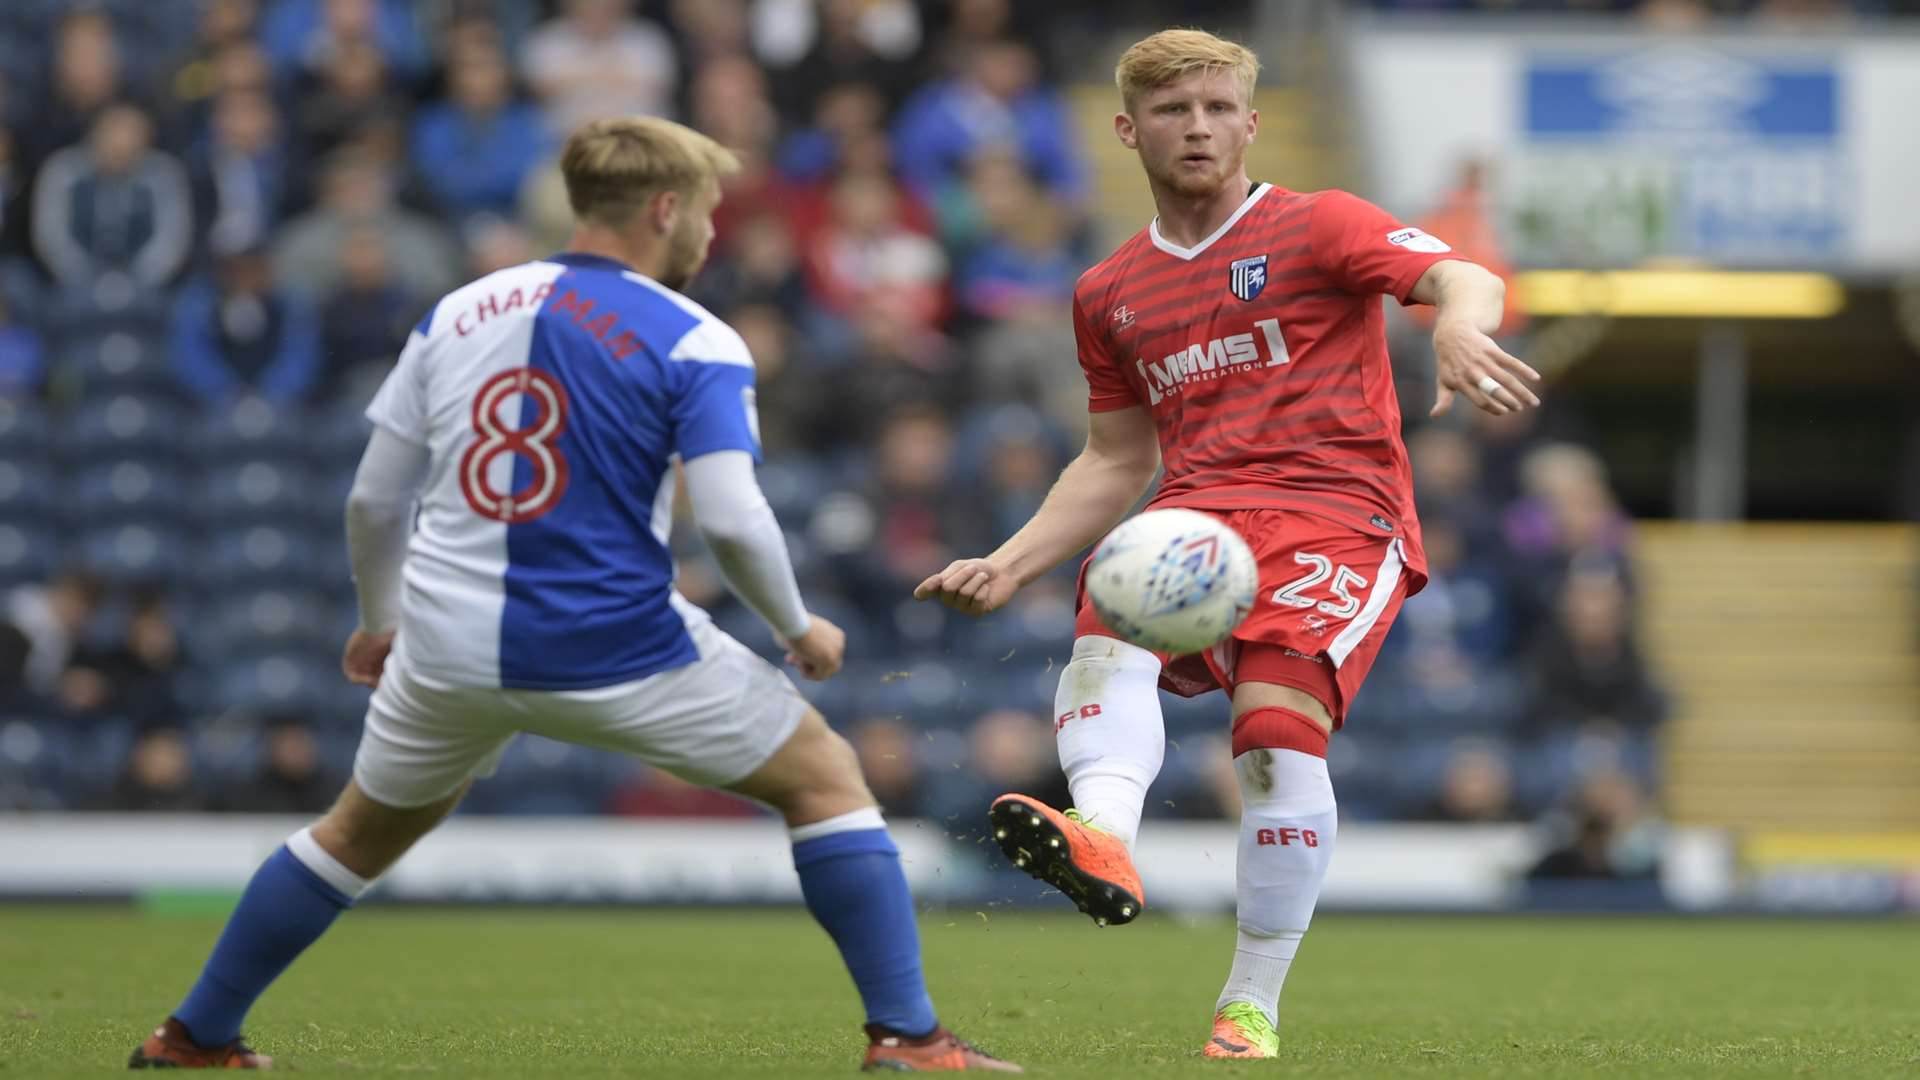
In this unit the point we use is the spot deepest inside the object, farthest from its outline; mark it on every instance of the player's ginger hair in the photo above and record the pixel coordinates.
(1172, 55)
(613, 167)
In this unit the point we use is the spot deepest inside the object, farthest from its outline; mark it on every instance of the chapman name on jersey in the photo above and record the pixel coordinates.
(1261, 354)
(554, 397)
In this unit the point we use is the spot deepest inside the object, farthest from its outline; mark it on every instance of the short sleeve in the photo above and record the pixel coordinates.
(400, 406)
(714, 407)
(1107, 386)
(1367, 250)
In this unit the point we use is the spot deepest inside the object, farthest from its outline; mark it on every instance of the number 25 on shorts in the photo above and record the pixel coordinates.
(1344, 604)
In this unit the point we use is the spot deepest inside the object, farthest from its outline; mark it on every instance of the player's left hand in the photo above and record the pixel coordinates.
(366, 657)
(1463, 356)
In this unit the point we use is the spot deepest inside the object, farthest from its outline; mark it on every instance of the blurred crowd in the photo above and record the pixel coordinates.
(221, 219)
(1671, 14)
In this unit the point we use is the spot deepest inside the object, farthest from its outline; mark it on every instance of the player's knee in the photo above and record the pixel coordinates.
(817, 774)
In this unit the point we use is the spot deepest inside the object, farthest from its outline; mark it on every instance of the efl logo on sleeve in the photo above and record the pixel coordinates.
(1417, 240)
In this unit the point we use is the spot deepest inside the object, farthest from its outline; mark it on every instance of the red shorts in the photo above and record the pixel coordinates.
(1326, 598)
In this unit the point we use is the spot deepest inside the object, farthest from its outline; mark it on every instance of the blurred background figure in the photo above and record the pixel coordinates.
(237, 333)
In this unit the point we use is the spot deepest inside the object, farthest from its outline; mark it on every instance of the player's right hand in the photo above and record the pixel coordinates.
(969, 586)
(820, 651)
(366, 657)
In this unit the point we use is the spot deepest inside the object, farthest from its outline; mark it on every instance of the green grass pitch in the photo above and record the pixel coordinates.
(646, 992)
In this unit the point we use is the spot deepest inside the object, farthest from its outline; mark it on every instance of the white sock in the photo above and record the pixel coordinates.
(1111, 737)
(1287, 826)
(305, 848)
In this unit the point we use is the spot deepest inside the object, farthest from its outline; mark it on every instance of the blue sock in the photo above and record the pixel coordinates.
(285, 909)
(855, 890)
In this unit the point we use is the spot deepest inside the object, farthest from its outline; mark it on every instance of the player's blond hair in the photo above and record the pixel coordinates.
(613, 167)
(1172, 55)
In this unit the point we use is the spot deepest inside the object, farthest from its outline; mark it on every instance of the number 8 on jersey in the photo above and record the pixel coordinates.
(533, 442)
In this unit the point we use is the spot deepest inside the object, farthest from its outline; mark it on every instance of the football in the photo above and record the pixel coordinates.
(1173, 581)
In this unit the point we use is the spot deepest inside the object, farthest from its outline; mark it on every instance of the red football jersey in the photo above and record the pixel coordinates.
(1262, 354)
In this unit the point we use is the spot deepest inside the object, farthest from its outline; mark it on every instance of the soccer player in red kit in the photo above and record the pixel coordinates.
(1239, 341)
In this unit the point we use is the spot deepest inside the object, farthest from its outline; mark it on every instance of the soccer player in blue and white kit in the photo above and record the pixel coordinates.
(535, 417)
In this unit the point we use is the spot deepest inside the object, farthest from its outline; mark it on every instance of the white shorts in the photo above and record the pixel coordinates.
(712, 722)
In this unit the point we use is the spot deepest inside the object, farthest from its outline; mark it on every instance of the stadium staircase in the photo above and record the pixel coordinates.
(1794, 654)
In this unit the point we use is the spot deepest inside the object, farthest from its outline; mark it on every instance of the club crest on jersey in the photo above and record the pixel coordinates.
(1246, 277)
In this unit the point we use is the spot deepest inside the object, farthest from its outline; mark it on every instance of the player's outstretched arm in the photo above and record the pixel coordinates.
(1094, 491)
(379, 523)
(1469, 301)
(733, 515)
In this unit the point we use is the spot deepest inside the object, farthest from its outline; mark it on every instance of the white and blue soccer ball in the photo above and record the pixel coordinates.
(1173, 581)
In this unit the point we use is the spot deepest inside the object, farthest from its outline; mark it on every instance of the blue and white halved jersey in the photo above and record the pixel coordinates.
(554, 397)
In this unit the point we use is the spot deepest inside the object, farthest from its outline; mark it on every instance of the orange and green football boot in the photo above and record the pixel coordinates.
(171, 1047)
(942, 1051)
(1241, 1030)
(1073, 855)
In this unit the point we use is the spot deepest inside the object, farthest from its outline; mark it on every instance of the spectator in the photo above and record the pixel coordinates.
(292, 778)
(1024, 265)
(474, 151)
(495, 244)
(597, 60)
(130, 676)
(352, 95)
(240, 175)
(866, 41)
(158, 777)
(1464, 616)
(1021, 466)
(1476, 788)
(996, 99)
(711, 29)
(1464, 220)
(23, 356)
(761, 265)
(13, 190)
(866, 256)
(1605, 834)
(302, 36)
(197, 80)
(358, 192)
(799, 417)
(728, 101)
(86, 80)
(1587, 672)
(1448, 483)
(52, 618)
(1007, 750)
(890, 760)
(239, 333)
(113, 217)
(846, 113)
(369, 315)
(1567, 520)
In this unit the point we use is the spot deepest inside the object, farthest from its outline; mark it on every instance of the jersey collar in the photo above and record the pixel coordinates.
(582, 259)
(1188, 254)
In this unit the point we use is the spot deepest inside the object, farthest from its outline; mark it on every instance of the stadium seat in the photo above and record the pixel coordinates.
(140, 554)
(250, 430)
(252, 492)
(27, 490)
(117, 362)
(35, 763)
(338, 437)
(542, 776)
(794, 486)
(120, 427)
(241, 624)
(29, 552)
(225, 754)
(25, 431)
(255, 556)
(121, 492)
(281, 682)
